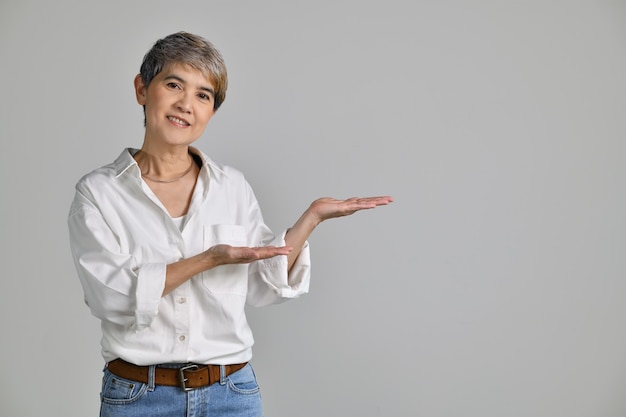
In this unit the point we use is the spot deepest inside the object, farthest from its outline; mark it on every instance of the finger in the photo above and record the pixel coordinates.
(376, 200)
(271, 251)
(253, 254)
(366, 203)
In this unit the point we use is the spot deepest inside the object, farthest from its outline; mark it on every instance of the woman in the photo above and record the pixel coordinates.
(169, 247)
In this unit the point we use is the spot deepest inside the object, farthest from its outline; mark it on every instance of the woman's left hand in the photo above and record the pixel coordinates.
(327, 208)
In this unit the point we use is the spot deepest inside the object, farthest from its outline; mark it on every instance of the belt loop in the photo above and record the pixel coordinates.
(151, 372)
(222, 375)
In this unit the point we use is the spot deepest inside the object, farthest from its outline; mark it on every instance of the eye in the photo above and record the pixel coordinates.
(173, 85)
(204, 96)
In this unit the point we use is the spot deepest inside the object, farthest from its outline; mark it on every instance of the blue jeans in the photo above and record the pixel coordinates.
(236, 395)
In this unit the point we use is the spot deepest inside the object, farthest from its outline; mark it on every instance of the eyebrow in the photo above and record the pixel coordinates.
(179, 79)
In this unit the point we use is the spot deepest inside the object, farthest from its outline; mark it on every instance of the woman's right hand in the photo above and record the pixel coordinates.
(227, 254)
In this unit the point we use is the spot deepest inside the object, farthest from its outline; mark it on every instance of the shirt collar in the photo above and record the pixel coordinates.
(125, 162)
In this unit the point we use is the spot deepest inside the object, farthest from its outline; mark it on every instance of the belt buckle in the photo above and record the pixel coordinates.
(181, 374)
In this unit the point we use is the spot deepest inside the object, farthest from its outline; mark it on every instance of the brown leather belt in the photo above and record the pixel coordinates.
(187, 377)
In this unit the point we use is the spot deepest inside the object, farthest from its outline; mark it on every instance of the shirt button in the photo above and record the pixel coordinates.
(181, 338)
(182, 300)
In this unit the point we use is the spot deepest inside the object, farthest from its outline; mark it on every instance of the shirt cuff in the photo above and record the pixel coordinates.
(149, 290)
(273, 271)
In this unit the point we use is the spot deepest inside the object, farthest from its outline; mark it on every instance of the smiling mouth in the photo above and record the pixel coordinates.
(178, 121)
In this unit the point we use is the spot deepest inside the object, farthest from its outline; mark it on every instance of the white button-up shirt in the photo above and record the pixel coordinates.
(122, 238)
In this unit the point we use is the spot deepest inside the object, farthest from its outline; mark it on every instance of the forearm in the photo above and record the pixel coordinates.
(298, 234)
(180, 272)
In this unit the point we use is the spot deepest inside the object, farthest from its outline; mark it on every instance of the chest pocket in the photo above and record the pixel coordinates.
(225, 279)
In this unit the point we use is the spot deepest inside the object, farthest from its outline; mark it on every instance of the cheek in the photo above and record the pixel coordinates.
(208, 117)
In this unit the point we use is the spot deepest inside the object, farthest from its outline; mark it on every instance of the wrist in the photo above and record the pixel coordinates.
(311, 218)
(207, 260)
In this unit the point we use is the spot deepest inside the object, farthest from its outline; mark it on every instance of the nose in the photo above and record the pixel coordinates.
(184, 103)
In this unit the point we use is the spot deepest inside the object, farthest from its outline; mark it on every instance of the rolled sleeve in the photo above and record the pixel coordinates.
(148, 295)
(270, 282)
(116, 289)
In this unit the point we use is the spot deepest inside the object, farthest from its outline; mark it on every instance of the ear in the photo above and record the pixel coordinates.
(140, 90)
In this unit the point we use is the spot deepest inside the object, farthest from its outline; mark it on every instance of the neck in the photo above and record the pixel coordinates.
(163, 166)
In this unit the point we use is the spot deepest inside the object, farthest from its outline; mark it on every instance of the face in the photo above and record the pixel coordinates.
(178, 103)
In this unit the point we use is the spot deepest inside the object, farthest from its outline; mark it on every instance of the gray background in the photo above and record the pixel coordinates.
(493, 286)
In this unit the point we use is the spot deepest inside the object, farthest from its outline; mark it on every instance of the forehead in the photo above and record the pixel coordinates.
(188, 74)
